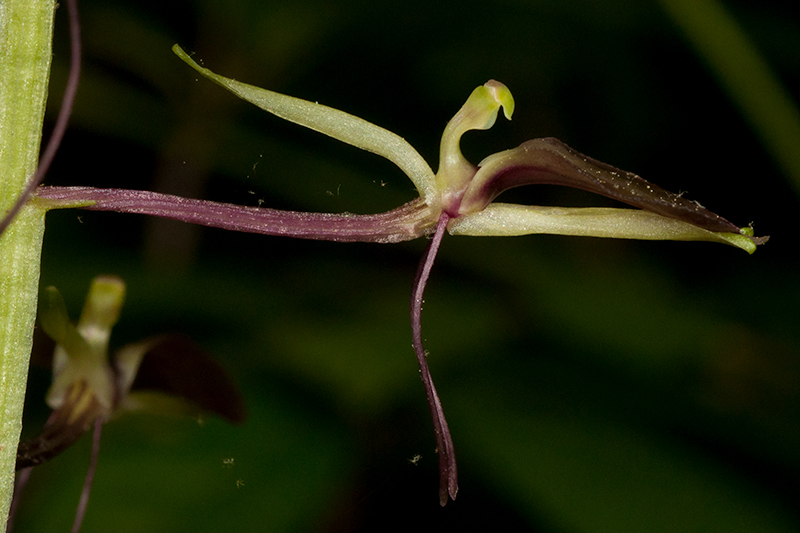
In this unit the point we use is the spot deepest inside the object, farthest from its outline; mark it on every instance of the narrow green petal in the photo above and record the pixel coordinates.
(332, 122)
(54, 319)
(153, 402)
(127, 360)
(509, 220)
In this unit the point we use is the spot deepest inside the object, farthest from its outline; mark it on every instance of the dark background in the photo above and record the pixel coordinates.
(591, 385)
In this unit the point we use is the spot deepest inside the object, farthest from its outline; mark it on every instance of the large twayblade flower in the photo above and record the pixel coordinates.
(458, 198)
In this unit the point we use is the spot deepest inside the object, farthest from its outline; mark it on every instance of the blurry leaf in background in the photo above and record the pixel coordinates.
(745, 75)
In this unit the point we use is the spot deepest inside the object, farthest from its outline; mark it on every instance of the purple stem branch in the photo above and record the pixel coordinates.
(448, 473)
(19, 486)
(87, 484)
(407, 222)
(60, 127)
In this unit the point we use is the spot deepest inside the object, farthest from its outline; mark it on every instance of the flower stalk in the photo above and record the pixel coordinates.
(407, 222)
(26, 30)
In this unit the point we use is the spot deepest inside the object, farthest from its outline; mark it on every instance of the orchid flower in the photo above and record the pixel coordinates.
(458, 198)
(165, 374)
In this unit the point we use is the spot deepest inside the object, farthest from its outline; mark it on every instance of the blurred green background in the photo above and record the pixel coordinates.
(590, 385)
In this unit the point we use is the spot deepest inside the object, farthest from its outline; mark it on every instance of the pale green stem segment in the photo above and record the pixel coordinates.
(479, 112)
(20, 255)
(82, 351)
(500, 219)
(26, 34)
(332, 122)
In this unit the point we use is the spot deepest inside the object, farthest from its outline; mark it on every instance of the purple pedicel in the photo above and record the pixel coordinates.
(407, 222)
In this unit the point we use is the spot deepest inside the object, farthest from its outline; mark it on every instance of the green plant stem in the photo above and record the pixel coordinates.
(26, 33)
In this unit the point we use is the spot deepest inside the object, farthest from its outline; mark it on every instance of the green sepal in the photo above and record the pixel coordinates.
(332, 122)
(54, 319)
(506, 220)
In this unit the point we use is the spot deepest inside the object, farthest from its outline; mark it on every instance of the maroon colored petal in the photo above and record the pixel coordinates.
(176, 365)
(550, 161)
